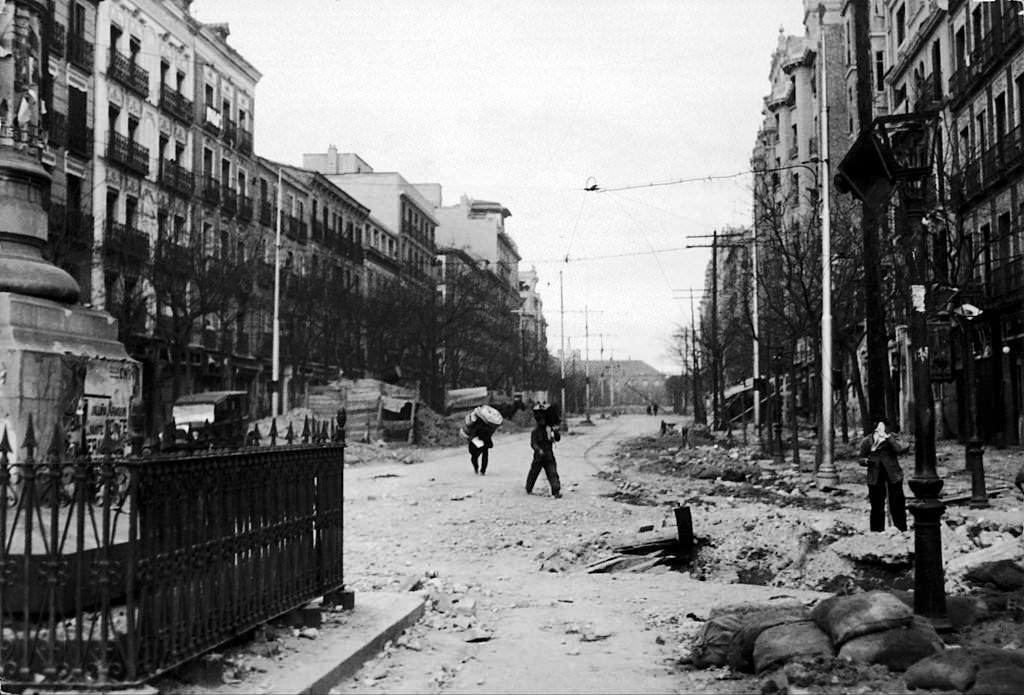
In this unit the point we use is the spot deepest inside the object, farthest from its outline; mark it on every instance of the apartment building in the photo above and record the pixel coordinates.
(69, 38)
(533, 332)
(396, 204)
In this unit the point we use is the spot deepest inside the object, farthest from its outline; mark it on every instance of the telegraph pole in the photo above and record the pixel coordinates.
(699, 413)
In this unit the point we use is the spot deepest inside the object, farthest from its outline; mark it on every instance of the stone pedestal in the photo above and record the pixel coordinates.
(53, 357)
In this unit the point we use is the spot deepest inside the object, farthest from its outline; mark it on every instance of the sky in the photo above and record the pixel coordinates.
(528, 103)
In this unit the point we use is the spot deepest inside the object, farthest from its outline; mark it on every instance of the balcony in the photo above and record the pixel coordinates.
(211, 119)
(1003, 38)
(244, 141)
(176, 104)
(126, 71)
(211, 190)
(1007, 279)
(126, 244)
(228, 201)
(928, 93)
(350, 250)
(228, 131)
(79, 140)
(80, 53)
(70, 231)
(294, 229)
(177, 178)
(128, 153)
(317, 232)
(267, 213)
(58, 38)
(174, 258)
(57, 129)
(245, 207)
(996, 165)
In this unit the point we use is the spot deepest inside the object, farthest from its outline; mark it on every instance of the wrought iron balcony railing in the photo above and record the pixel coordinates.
(177, 178)
(58, 38)
(228, 201)
(79, 139)
(244, 141)
(57, 129)
(245, 208)
(127, 72)
(70, 230)
(1007, 278)
(211, 119)
(211, 190)
(124, 151)
(176, 104)
(267, 213)
(126, 243)
(228, 130)
(1002, 39)
(80, 53)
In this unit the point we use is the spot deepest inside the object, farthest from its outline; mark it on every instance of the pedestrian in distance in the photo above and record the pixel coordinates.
(878, 453)
(481, 424)
(542, 441)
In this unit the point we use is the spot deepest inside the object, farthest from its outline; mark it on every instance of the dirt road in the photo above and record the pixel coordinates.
(512, 611)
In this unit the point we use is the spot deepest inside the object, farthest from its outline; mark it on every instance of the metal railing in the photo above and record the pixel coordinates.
(58, 38)
(125, 242)
(177, 178)
(126, 71)
(118, 569)
(80, 52)
(245, 208)
(122, 150)
(176, 104)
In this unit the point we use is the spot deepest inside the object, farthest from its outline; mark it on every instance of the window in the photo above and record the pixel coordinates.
(131, 210)
(900, 95)
(115, 36)
(133, 127)
(980, 135)
(960, 50)
(900, 22)
(134, 47)
(208, 94)
(879, 71)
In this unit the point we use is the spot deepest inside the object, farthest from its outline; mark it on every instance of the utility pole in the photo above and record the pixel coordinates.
(699, 413)
(561, 362)
(586, 364)
(275, 359)
(874, 311)
(826, 475)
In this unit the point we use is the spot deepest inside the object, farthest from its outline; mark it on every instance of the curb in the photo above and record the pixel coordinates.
(393, 613)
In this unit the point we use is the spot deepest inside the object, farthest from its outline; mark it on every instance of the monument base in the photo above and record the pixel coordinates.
(62, 363)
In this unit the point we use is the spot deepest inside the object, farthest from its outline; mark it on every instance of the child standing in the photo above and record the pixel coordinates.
(542, 440)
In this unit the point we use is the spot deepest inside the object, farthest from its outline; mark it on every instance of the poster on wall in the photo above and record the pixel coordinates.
(110, 389)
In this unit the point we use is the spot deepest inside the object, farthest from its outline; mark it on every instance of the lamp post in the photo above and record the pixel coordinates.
(894, 154)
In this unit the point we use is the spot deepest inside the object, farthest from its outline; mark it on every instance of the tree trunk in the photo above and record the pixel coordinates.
(794, 418)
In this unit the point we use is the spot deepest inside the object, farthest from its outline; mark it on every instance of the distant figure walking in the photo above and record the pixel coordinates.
(654, 409)
(481, 423)
(542, 440)
(878, 452)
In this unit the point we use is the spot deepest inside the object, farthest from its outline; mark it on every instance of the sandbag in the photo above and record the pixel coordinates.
(1005, 575)
(897, 648)
(741, 650)
(847, 617)
(953, 669)
(777, 645)
(712, 645)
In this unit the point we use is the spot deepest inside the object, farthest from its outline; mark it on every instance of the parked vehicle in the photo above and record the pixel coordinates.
(211, 419)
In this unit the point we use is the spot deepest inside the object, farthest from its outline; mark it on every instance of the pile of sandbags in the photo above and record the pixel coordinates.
(876, 627)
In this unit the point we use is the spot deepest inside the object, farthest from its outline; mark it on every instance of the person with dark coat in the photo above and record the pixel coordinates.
(481, 423)
(542, 442)
(878, 452)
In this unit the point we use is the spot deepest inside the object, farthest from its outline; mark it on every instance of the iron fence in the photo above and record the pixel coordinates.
(114, 570)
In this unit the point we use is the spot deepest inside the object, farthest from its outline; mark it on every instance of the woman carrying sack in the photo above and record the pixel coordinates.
(481, 423)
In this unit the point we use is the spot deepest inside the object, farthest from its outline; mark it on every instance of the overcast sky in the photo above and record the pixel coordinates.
(526, 103)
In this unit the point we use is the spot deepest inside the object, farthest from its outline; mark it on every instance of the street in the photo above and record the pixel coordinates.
(486, 541)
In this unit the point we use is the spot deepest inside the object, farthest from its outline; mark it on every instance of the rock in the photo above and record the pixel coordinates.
(466, 607)
(309, 633)
(890, 548)
(1008, 550)
(478, 635)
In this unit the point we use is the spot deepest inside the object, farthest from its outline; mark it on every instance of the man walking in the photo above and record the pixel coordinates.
(878, 452)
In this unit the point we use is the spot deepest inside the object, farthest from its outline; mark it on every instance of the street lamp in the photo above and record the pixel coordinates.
(894, 154)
